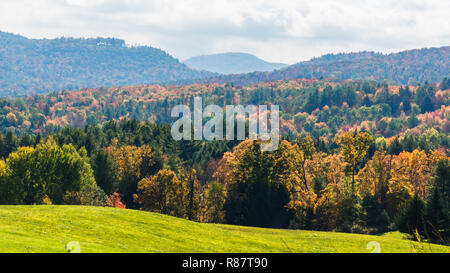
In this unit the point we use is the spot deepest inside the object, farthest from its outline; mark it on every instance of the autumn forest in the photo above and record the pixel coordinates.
(355, 156)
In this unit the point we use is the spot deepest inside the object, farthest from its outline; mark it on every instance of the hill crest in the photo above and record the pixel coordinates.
(231, 63)
(404, 67)
(43, 65)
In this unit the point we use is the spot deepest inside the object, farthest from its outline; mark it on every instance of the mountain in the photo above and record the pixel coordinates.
(411, 66)
(43, 65)
(231, 63)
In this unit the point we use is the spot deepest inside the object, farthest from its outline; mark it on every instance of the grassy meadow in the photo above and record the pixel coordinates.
(100, 229)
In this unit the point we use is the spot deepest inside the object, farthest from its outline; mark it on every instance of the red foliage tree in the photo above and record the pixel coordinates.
(115, 201)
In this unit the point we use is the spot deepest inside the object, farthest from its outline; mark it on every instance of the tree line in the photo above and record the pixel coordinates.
(355, 183)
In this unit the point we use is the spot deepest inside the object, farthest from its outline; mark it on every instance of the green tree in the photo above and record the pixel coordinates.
(437, 220)
(10, 143)
(442, 181)
(59, 173)
(105, 171)
(215, 200)
(413, 217)
(189, 179)
(4, 191)
(259, 193)
(395, 148)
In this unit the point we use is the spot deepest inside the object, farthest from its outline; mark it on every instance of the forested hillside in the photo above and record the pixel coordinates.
(405, 67)
(320, 107)
(43, 65)
(355, 156)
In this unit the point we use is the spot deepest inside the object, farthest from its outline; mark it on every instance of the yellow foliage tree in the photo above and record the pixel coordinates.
(353, 148)
(162, 193)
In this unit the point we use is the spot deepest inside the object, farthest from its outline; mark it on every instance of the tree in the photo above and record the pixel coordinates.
(442, 181)
(3, 183)
(215, 200)
(49, 171)
(114, 200)
(305, 152)
(259, 190)
(18, 186)
(395, 148)
(375, 216)
(413, 218)
(445, 84)
(133, 164)
(104, 171)
(10, 143)
(326, 207)
(128, 162)
(414, 168)
(413, 121)
(2, 146)
(353, 148)
(151, 161)
(437, 221)
(191, 183)
(406, 106)
(378, 181)
(427, 105)
(162, 193)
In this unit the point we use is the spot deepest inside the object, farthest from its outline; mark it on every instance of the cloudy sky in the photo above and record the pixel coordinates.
(277, 30)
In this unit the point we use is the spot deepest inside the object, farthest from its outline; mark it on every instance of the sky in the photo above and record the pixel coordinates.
(285, 31)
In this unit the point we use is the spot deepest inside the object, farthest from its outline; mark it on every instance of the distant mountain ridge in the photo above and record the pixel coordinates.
(410, 66)
(231, 63)
(43, 65)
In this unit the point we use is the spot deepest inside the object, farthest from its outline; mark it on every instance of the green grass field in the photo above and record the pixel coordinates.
(98, 229)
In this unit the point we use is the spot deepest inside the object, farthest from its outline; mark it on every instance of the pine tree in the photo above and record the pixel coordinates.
(442, 181)
(104, 171)
(10, 142)
(437, 222)
(2, 146)
(413, 217)
(395, 148)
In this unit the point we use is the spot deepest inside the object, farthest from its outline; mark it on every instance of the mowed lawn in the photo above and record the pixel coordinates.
(99, 229)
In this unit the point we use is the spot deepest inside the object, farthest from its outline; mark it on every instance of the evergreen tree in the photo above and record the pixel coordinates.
(104, 171)
(437, 220)
(374, 215)
(406, 106)
(445, 84)
(215, 200)
(193, 196)
(2, 146)
(10, 142)
(442, 181)
(413, 121)
(413, 217)
(256, 197)
(395, 148)
(427, 104)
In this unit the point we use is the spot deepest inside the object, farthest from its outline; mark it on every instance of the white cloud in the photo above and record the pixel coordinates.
(282, 30)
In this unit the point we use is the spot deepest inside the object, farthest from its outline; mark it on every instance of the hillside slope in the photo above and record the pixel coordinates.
(405, 67)
(43, 65)
(98, 229)
(231, 63)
